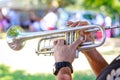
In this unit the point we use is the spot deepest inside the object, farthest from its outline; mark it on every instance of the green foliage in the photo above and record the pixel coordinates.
(80, 75)
(6, 74)
(108, 7)
(4, 70)
(94, 4)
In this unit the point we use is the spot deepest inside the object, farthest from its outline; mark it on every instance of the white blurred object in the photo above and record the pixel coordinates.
(49, 21)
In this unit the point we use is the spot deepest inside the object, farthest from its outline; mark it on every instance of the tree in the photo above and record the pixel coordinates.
(108, 7)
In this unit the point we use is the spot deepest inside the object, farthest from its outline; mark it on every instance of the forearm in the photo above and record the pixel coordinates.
(64, 74)
(96, 61)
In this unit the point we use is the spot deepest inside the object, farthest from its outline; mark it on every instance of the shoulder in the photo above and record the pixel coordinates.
(112, 71)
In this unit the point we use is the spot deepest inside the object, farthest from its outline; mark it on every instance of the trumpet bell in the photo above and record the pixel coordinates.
(12, 38)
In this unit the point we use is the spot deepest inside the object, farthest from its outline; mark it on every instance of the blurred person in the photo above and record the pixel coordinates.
(64, 56)
(63, 17)
(115, 32)
(99, 19)
(49, 21)
(3, 23)
(34, 25)
(73, 16)
(103, 21)
(108, 22)
(14, 17)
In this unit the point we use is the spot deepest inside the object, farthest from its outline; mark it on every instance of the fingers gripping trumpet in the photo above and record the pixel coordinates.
(16, 37)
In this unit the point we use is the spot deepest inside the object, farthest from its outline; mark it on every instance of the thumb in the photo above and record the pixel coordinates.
(76, 43)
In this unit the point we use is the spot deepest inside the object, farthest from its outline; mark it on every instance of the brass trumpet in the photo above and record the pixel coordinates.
(16, 37)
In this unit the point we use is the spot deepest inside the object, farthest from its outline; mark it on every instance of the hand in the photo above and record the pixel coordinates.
(95, 59)
(64, 52)
(88, 35)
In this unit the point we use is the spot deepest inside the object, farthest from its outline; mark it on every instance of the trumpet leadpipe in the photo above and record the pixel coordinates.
(112, 27)
(105, 27)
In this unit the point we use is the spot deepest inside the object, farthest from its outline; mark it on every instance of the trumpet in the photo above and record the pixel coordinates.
(16, 37)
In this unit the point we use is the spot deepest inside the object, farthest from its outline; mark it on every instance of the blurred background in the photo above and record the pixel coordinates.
(44, 15)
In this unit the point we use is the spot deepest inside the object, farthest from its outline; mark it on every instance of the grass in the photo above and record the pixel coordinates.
(83, 75)
(6, 74)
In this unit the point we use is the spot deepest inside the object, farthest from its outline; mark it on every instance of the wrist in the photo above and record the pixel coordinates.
(59, 65)
(65, 70)
(64, 74)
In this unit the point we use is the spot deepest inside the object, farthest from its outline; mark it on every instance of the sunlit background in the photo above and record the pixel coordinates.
(44, 15)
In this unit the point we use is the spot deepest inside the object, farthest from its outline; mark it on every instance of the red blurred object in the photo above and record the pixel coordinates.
(51, 28)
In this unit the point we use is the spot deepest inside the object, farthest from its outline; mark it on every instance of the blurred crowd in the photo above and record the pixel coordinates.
(54, 18)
